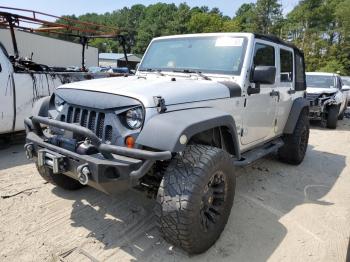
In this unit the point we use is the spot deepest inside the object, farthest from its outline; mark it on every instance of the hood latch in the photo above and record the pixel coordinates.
(160, 104)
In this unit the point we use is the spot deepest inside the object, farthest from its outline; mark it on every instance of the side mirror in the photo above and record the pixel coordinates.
(345, 88)
(264, 75)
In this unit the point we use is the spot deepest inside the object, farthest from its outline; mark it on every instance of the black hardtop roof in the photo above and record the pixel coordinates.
(277, 40)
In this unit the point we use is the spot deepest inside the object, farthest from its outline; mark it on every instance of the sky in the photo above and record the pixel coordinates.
(78, 7)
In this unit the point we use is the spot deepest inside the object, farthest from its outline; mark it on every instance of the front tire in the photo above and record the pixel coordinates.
(295, 145)
(332, 117)
(195, 198)
(59, 180)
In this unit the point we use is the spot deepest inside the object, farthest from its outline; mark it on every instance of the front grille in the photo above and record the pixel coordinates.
(108, 133)
(312, 96)
(313, 99)
(93, 120)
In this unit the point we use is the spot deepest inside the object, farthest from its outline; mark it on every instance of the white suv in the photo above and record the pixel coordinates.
(198, 106)
(325, 92)
(346, 85)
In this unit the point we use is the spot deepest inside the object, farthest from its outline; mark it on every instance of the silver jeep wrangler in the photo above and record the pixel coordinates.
(198, 106)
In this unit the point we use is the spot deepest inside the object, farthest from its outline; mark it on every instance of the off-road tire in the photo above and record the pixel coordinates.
(295, 144)
(185, 200)
(59, 180)
(332, 117)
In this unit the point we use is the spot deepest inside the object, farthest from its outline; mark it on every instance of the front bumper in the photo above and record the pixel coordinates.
(318, 108)
(315, 112)
(112, 170)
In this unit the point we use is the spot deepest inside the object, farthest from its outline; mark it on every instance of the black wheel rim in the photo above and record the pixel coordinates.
(213, 201)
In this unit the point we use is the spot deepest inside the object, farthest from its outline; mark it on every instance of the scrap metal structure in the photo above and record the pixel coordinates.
(38, 22)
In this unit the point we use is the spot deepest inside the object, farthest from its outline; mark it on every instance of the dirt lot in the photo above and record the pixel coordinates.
(281, 213)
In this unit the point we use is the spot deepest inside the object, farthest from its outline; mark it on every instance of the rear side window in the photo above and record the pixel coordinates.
(286, 60)
(264, 55)
(300, 81)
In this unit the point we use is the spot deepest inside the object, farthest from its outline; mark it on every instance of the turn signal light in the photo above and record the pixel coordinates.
(130, 141)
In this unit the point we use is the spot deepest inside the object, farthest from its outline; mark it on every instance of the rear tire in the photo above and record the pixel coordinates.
(59, 180)
(332, 117)
(195, 198)
(295, 145)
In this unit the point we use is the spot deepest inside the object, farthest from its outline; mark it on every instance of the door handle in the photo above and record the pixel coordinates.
(275, 93)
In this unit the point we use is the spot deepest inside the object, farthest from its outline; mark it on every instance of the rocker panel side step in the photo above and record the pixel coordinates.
(254, 154)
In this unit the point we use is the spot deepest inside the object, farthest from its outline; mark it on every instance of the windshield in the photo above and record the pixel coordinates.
(346, 81)
(221, 55)
(320, 81)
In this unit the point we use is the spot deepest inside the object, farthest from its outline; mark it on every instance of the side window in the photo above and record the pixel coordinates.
(264, 55)
(286, 60)
(300, 79)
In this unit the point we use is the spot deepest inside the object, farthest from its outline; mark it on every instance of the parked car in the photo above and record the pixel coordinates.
(122, 70)
(98, 69)
(325, 94)
(346, 85)
(198, 106)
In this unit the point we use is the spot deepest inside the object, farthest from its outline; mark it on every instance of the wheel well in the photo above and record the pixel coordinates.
(305, 110)
(220, 137)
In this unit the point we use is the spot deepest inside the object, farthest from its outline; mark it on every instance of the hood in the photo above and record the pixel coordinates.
(316, 90)
(182, 90)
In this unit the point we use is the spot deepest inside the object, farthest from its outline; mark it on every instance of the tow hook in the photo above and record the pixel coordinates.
(83, 174)
(29, 148)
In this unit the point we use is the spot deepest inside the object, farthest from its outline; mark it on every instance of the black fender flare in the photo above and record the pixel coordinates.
(163, 131)
(41, 107)
(298, 106)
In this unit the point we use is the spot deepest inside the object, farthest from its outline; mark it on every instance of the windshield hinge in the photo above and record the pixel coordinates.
(160, 104)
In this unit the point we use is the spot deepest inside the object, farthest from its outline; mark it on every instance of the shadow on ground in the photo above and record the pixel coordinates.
(12, 152)
(266, 192)
(341, 125)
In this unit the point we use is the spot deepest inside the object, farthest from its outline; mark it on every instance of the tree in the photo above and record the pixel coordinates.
(205, 23)
(268, 16)
(157, 21)
(245, 18)
(321, 28)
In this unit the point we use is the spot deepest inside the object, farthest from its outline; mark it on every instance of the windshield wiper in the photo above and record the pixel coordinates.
(153, 70)
(199, 73)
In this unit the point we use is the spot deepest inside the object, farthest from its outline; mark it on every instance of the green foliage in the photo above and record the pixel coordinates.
(333, 66)
(268, 16)
(321, 28)
(205, 23)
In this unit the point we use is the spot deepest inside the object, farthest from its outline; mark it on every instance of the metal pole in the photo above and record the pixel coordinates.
(13, 36)
(83, 41)
(122, 41)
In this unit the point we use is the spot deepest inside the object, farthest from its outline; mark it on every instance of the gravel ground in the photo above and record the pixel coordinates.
(281, 213)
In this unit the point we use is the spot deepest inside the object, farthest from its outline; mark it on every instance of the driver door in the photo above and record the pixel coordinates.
(260, 109)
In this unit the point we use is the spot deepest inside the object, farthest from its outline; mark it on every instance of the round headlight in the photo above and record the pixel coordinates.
(134, 118)
(59, 103)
